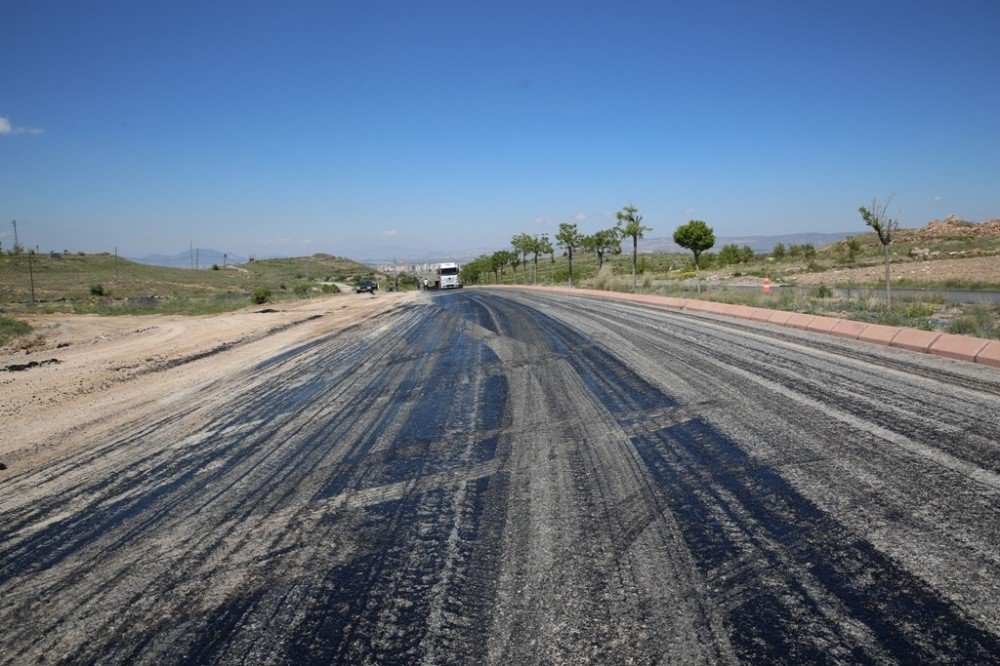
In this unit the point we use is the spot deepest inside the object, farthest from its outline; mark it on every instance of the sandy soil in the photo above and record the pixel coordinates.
(981, 269)
(114, 369)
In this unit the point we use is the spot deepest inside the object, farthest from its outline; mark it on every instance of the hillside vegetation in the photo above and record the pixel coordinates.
(102, 284)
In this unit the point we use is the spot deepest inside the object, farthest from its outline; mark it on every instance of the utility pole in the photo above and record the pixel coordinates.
(14, 222)
(225, 258)
(191, 246)
(197, 251)
(116, 262)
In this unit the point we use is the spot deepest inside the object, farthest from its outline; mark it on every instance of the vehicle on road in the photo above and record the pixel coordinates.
(446, 276)
(371, 286)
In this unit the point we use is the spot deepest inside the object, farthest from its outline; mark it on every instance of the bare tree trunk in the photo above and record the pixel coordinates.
(888, 292)
(571, 267)
(635, 254)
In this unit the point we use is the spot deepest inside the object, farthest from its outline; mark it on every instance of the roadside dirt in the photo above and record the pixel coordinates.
(110, 370)
(977, 269)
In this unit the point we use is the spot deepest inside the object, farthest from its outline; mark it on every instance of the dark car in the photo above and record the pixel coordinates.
(366, 285)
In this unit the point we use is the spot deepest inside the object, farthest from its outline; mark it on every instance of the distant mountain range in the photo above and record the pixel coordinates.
(204, 258)
(386, 254)
(756, 243)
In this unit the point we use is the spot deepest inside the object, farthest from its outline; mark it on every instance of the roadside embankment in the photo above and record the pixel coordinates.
(961, 347)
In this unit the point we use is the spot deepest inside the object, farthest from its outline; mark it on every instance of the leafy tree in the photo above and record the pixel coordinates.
(885, 227)
(535, 248)
(730, 254)
(697, 237)
(545, 247)
(794, 251)
(746, 254)
(808, 252)
(569, 239)
(522, 244)
(779, 251)
(473, 271)
(630, 223)
(497, 261)
(502, 259)
(605, 241)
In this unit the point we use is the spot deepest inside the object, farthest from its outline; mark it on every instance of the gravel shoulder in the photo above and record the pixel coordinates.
(112, 370)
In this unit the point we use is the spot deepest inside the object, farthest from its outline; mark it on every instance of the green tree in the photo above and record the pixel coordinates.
(630, 223)
(535, 248)
(885, 227)
(545, 247)
(730, 254)
(502, 259)
(746, 254)
(522, 244)
(808, 252)
(497, 261)
(779, 251)
(569, 239)
(697, 237)
(605, 241)
(473, 271)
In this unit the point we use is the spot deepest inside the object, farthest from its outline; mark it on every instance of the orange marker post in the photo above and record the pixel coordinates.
(767, 284)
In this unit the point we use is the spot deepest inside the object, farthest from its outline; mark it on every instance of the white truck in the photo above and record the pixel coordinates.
(446, 276)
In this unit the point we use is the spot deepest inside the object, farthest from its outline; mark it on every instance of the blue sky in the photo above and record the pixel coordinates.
(374, 128)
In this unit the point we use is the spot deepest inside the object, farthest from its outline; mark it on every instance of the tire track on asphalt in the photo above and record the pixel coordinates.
(920, 624)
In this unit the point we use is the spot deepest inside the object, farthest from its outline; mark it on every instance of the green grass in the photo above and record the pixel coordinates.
(100, 284)
(12, 328)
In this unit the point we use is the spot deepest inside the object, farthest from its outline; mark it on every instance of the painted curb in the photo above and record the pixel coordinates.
(960, 347)
(990, 354)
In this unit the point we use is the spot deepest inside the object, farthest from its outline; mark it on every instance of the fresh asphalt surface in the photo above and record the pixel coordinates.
(513, 478)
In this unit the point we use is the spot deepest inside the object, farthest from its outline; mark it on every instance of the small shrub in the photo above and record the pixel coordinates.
(12, 328)
(301, 289)
(962, 326)
(918, 310)
(331, 289)
(215, 267)
(97, 290)
(260, 295)
(822, 291)
(604, 276)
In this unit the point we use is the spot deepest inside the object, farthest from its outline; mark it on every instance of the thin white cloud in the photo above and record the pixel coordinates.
(306, 241)
(388, 233)
(937, 198)
(8, 128)
(689, 210)
(580, 217)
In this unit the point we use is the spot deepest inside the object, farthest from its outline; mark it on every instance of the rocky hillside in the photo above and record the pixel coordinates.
(953, 227)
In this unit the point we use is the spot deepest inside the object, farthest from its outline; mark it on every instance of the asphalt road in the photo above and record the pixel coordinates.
(511, 478)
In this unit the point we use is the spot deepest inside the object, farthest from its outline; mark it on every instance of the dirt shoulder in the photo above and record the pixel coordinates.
(95, 373)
